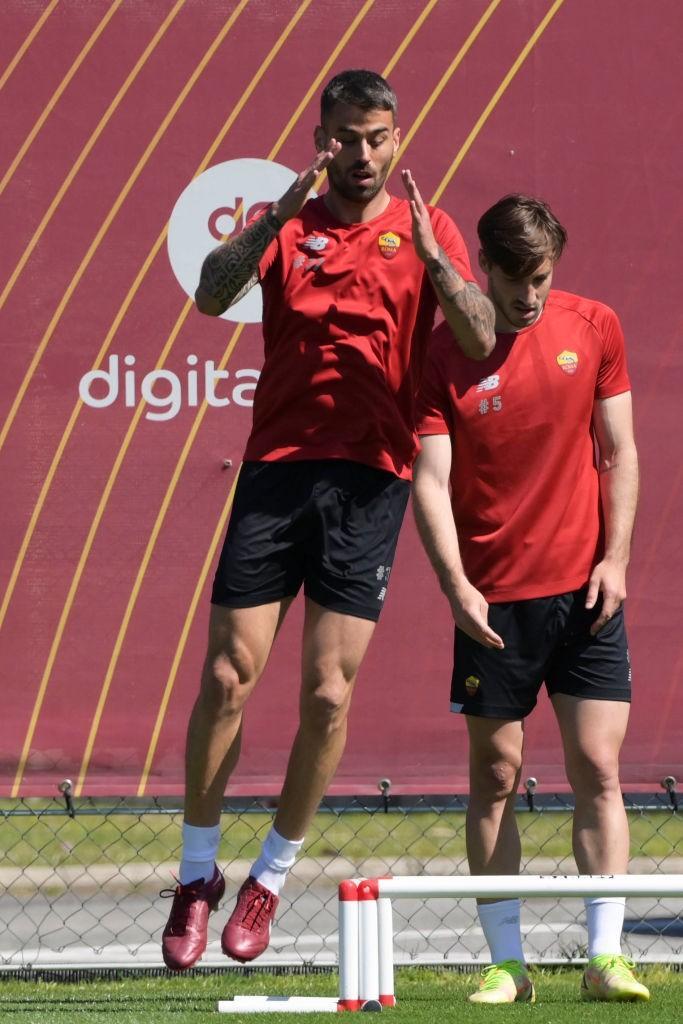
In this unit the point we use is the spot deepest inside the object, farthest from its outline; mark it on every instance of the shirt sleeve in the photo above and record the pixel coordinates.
(432, 409)
(613, 378)
(452, 242)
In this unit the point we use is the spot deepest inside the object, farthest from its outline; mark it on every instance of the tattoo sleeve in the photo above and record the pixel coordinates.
(468, 311)
(230, 270)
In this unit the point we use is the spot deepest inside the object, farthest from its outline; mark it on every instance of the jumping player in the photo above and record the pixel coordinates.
(531, 547)
(351, 282)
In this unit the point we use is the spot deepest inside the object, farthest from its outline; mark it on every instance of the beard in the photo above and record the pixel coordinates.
(344, 185)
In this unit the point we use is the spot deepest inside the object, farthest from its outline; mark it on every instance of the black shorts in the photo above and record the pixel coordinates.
(547, 639)
(330, 524)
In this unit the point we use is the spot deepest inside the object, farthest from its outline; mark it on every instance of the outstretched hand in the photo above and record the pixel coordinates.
(471, 613)
(294, 198)
(423, 235)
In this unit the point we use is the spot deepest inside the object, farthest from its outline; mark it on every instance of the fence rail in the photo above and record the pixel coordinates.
(80, 878)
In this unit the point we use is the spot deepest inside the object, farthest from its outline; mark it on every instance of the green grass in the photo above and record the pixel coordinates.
(126, 838)
(425, 996)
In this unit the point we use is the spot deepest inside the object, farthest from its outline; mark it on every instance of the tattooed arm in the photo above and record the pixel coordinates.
(232, 269)
(229, 271)
(468, 311)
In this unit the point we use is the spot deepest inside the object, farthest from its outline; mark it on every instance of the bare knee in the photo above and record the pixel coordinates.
(228, 678)
(325, 700)
(494, 777)
(594, 776)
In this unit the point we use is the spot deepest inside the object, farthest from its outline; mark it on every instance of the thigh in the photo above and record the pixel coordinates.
(334, 646)
(358, 511)
(261, 561)
(591, 667)
(497, 684)
(590, 737)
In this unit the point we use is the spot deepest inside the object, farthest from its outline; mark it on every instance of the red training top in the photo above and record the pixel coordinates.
(347, 314)
(524, 481)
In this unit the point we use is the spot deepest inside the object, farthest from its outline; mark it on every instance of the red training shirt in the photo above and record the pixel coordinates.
(348, 311)
(524, 481)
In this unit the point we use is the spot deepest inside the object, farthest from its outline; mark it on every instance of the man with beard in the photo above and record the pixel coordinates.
(530, 535)
(351, 282)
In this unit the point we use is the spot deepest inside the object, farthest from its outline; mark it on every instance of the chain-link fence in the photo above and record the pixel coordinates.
(80, 879)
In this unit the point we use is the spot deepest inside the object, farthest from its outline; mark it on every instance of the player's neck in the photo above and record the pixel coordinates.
(348, 212)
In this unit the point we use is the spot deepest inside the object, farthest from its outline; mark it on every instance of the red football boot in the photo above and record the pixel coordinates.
(185, 935)
(247, 933)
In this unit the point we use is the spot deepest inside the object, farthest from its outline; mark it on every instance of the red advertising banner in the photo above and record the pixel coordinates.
(135, 135)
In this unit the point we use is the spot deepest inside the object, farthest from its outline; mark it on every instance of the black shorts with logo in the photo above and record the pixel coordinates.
(547, 639)
(330, 524)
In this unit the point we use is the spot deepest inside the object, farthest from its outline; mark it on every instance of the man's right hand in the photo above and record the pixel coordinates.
(294, 198)
(470, 611)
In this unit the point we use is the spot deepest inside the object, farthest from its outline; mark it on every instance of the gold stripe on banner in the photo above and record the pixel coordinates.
(208, 561)
(85, 262)
(82, 156)
(170, 682)
(184, 633)
(284, 135)
(47, 110)
(68, 430)
(438, 89)
(27, 42)
(138, 412)
(491, 105)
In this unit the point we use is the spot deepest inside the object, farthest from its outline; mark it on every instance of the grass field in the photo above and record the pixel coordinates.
(425, 997)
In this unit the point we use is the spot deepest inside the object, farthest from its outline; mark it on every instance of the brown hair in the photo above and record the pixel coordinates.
(518, 232)
(358, 88)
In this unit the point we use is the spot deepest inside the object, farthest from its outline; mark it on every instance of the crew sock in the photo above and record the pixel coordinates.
(500, 923)
(276, 858)
(605, 922)
(200, 847)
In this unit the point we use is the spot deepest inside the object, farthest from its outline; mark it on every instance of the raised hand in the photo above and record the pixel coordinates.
(294, 198)
(423, 236)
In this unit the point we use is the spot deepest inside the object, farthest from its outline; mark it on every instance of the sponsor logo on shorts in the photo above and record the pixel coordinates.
(568, 362)
(382, 573)
(382, 594)
(472, 685)
(389, 244)
(489, 383)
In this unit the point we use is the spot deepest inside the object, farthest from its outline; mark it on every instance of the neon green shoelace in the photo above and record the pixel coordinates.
(491, 975)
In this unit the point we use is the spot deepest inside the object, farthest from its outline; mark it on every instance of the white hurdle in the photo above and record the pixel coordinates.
(366, 936)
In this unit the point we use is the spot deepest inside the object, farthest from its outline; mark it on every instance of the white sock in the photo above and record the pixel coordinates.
(276, 858)
(200, 847)
(500, 923)
(605, 921)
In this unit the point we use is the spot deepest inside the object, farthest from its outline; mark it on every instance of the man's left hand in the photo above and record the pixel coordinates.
(609, 579)
(423, 236)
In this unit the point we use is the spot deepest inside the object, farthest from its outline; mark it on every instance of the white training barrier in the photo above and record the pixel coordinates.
(366, 935)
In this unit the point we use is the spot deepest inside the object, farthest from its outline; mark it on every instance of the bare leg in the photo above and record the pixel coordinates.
(240, 640)
(592, 734)
(333, 648)
(493, 845)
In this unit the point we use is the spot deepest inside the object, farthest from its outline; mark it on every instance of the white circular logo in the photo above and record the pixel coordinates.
(218, 204)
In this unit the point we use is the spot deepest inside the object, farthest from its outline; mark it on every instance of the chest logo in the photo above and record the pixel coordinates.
(389, 244)
(489, 383)
(568, 362)
(315, 243)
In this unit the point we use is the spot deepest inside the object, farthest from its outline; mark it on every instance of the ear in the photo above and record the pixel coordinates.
(319, 138)
(484, 263)
(397, 139)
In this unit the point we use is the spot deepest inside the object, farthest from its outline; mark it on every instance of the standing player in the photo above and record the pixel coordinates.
(531, 547)
(350, 285)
